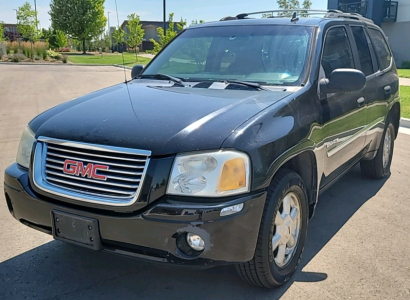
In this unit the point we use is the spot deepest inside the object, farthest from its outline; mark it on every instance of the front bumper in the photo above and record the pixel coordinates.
(151, 233)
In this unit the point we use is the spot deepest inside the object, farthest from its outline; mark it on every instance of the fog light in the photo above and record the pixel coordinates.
(231, 210)
(195, 241)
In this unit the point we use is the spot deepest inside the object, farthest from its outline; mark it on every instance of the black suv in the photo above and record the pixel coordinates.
(215, 152)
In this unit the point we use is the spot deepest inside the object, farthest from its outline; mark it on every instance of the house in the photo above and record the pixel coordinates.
(150, 28)
(392, 16)
(10, 28)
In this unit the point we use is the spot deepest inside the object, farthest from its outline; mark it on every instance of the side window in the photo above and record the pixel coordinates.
(363, 50)
(381, 48)
(337, 52)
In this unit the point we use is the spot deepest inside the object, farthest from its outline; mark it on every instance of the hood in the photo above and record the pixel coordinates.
(164, 119)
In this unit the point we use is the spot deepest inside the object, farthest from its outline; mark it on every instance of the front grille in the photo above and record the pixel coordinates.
(86, 172)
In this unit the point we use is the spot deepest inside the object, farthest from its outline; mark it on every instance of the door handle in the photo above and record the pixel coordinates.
(360, 101)
(387, 89)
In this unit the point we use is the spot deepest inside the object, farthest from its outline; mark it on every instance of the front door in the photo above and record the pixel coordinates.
(344, 114)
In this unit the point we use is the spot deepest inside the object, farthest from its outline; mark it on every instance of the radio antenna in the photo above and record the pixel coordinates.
(122, 53)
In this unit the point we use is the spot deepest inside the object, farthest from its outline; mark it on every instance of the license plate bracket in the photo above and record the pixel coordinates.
(75, 229)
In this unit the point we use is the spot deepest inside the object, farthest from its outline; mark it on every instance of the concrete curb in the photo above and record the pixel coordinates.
(405, 123)
(52, 64)
(122, 67)
(62, 64)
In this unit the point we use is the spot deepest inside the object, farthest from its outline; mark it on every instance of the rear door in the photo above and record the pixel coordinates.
(368, 65)
(385, 87)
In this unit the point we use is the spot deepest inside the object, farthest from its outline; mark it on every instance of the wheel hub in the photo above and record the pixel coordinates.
(287, 228)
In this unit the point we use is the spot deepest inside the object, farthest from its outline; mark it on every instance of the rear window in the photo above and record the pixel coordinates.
(381, 48)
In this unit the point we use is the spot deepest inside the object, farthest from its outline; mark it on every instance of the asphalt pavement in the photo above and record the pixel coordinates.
(358, 244)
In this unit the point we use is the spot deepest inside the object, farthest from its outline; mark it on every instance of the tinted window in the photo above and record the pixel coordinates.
(337, 52)
(276, 55)
(363, 49)
(381, 48)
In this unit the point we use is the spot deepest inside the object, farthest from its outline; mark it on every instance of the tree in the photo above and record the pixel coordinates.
(61, 39)
(118, 36)
(1, 32)
(135, 33)
(170, 33)
(79, 19)
(27, 22)
(293, 4)
(103, 43)
(196, 22)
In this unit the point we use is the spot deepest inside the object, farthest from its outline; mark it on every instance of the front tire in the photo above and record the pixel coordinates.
(282, 233)
(379, 166)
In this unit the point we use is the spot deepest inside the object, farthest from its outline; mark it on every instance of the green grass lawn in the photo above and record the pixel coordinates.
(404, 73)
(107, 59)
(405, 101)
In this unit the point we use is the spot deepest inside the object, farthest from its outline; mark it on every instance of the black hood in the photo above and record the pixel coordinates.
(163, 119)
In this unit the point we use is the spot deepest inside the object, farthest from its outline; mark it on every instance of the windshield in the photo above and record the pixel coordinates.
(269, 54)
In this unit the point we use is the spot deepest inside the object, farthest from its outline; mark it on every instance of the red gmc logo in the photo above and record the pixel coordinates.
(77, 168)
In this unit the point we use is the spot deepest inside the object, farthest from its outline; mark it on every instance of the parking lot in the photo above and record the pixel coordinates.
(358, 242)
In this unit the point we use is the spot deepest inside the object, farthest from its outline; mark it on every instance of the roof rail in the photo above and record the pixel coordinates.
(330, 13)
(353, 16)
(304, 11)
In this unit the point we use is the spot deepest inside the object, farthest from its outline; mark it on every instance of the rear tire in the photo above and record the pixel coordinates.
(282, 233)
(379, 166)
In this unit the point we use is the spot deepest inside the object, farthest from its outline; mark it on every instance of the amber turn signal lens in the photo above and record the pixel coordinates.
(233, 175)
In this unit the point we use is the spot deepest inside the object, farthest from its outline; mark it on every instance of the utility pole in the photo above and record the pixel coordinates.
(165, 18)
(35, 9)
(17, 19)
(109, 29)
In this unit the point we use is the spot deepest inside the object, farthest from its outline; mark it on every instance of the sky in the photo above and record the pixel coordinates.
(152, 10)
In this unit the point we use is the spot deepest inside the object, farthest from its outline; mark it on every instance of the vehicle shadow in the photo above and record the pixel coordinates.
(61, 271)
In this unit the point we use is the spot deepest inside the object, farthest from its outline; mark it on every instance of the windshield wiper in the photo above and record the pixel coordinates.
(164, 76)
(245, 83)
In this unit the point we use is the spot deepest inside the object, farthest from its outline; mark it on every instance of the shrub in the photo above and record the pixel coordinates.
(36, 57)
(44, 54)
(64, 59)
(15, 46)
(405, 64)
(8, 46)
(65, 49)
(28, 49)
(53, 54)
(17, 57)
(40, 49)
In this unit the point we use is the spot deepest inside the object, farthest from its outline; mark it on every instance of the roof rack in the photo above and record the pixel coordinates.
(304, 11)
(330, 13)
(353, 16)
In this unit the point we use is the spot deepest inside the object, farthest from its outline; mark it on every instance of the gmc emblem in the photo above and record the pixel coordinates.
(77, 168)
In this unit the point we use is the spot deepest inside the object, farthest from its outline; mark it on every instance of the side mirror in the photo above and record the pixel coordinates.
(136, 70)
(342, 80)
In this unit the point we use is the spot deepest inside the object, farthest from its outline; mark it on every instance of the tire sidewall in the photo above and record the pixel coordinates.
(389, 127)
(294, 184)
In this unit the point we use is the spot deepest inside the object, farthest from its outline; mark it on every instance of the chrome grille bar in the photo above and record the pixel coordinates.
(92, 161)
(48, 166)
(94, 155)
(119, 184)
(89, 187)
(91, 181)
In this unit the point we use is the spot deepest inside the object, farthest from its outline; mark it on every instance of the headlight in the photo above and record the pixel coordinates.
(26, 146)
(210, 174)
